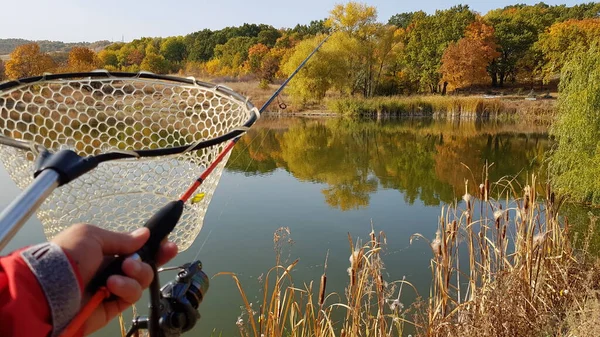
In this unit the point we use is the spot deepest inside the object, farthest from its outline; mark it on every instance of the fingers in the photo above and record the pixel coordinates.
(139, 271)
(167, 251)
(120, 243)
(127, 289)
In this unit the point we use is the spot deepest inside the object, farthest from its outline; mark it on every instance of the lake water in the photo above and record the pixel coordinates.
(325, 178)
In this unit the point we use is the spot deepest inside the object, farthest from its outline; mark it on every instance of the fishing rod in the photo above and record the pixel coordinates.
(190, 280)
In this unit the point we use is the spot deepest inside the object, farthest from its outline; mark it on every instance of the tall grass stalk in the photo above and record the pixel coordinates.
(371, 307)
(523, 275)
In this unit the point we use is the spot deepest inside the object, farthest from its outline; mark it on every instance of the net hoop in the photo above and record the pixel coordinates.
(153, 134)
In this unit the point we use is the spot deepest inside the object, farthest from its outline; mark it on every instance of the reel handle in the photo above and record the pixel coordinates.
(160, 225)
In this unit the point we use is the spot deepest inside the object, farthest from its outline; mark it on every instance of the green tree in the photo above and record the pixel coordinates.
(155, 63)
(516, 29)
(27, 60)
(575, 163)
(427, 39)
(269, 37)
(108, 57)
(234, 52)
(173, 49)
(402, 20)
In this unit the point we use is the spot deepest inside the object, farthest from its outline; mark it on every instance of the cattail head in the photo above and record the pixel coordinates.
(498, 215)
(322, 289)
(481, 191)
(526, 197)
(539, 239)
(436, 244)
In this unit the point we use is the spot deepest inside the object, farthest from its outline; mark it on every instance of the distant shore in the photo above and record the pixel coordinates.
(450, 106)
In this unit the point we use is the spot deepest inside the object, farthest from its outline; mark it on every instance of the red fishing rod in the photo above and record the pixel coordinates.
(161, 224)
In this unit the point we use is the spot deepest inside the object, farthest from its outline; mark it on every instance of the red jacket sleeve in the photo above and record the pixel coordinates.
(29, 305)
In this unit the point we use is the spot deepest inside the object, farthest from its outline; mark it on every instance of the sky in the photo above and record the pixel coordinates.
(114, 20)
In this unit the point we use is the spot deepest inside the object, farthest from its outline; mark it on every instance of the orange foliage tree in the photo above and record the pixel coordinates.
(82, 59)
(27, 60)
(465, 62)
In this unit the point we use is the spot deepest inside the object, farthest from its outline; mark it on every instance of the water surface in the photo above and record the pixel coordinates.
(325, 178)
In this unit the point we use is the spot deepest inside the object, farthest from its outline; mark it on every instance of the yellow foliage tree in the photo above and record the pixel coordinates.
(27, 60)
(465, 62)
(562, 40)
(82, 59)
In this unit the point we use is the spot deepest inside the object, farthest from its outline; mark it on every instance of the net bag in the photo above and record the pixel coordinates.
(166, 130)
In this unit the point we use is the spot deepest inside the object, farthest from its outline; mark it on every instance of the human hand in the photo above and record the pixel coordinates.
(88, 246)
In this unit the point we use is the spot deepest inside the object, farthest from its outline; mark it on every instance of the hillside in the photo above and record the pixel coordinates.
(8, 45)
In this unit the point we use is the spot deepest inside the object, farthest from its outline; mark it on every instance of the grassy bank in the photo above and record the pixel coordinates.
(525, 275)
(445, 106)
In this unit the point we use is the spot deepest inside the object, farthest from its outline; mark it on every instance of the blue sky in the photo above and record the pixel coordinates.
(91, 20)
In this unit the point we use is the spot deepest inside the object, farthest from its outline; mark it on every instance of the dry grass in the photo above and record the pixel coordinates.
(522, 276)
(446, 106)
(371, 307)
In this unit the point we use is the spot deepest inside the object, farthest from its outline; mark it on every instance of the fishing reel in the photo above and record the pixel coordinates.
(174, 308)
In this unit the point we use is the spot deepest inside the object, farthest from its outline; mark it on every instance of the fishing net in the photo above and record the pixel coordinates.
(99, 113)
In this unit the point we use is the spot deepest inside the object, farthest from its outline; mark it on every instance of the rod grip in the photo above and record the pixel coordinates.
(160, 225)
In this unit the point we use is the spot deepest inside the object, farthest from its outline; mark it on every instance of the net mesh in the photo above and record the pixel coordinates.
(94, 116)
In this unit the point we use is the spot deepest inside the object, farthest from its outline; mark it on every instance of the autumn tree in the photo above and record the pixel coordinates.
(328, 69)
(27, 60)
(358, 23)
(82, 59)
(388, 45)
(465, 62)
(563, 39)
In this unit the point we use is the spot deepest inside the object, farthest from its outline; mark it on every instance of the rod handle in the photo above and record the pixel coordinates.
(160, 225)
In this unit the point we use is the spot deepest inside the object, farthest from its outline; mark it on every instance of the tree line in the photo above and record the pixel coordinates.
(451, 49)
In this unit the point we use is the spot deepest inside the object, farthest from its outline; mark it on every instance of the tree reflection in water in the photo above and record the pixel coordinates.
(424, 159)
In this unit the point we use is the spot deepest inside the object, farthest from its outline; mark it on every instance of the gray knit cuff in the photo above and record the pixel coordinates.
(58, 280)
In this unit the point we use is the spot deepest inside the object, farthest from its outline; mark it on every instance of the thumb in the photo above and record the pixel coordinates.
(113, 243)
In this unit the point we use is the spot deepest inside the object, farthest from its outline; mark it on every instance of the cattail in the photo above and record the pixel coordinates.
(467, 198)
(498, 215)
(436, 244)
(322, 289)
(539, 239)
(527, 197)
(482, 191)
(504, 232)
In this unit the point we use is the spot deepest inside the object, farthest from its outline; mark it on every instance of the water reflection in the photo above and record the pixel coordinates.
(426, 160)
